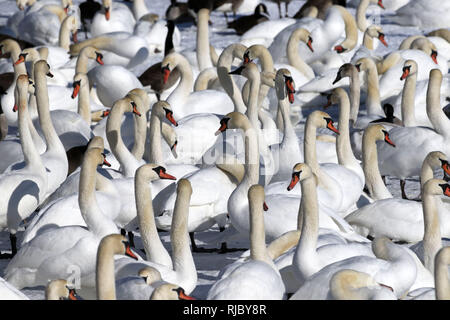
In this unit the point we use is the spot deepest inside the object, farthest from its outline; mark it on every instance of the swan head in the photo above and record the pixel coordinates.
(96, 142)
(436, 187)
(9, 46)
(301, 171)
(257, 51)
(284, 84)
(60, 290)
(344, 71)
(107, 6)
(152, 171)
(163, 110)
(438, 159)
(21, 4)
(321, 119)
(22, 84)
(96, 155)
(375, 31)
(80, 79)
(169, 291)
(409, 68)
(234, 120)
(256, 196)
(140, 94)
(335, 97)
(73, 24)
(91, 53)
(117, 244)
(424, 44)
(150, 275)
(364, 64)
(378, 132)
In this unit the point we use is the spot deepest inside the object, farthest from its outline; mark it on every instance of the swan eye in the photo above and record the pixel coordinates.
(159, 169)
(406, 68)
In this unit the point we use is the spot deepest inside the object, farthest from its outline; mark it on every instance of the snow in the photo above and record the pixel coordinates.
(209, 264)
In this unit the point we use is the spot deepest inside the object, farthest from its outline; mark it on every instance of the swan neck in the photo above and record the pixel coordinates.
(373, 104)
(203, 56)
(84, 103)
(442, 281)
(361, 20)
(343, 146)
(294, 57)
(156, 155)
(355, 95)
(437, 117)
(257, 232)
(64, 35)
(105, 278)
(408, 98)
(432, 232)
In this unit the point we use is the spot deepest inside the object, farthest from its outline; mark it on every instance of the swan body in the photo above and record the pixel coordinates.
(117, 18)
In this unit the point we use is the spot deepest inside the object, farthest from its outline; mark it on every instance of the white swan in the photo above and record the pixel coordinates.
(182, 101)
(184, 271)
(23, 189)
(389, 217)
(414, 143)
(257, 278)
(60, 290)
(51, 254)
(424, 14)
(116, 16)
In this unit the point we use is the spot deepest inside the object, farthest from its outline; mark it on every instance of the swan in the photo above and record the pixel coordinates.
(182, 101)
(60, 290)
(264, 33)
(149, 285)
(349, 284)
(25, 187)
(421, 13)
(50, 254)
(389, 217)
(257, 278)
(324, 32)
(116, 16)
(392, 267)
(86, 107)
(183, 272)
(441, 280)
(54, 158)
(245, 23)
(40, 23)
(414, 143)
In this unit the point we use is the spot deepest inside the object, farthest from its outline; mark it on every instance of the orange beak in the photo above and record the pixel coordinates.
(106, 163)
(130, 253)
(446, 168)
(405, 74)
(290, 90)
(105, 113)
(294, 181)
(169, 116)
(99, 59)
(107, 13)
(184, 296)
(164, 175)
(380, 3)
(246, 59)
(72, 295)
(15, 108)
(265, 207)
(447, 192)
(66, 9)
(222, 128)
(388, 140)
(20, 60)
(309, 44)
(76, 89)
(339, 49)
(332, 127)
(382, 40)
(135, 110)
(166, 74)
(434, 55)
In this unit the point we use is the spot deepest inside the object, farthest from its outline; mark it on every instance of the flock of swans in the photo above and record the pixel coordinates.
(289, 141)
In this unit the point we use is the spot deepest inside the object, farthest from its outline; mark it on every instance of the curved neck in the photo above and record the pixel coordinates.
(204, 79)
(252, 108)
(293, 54)
(368, 41)
(374, 183)
(437, 117)
(45, 120)
(361, 20)
(140, 130)
(185, 85)
(432, 232)
(426, 173)
(96, 221)
(408, 98)
(30, 153)
(251, 165)
(288, 129)
(343, 145)
(373, 105)
(266, 61)
(156, 155)
(305, 257)
(351, 30)
(203, 56)
(113, 134)
(227, 82)
(258, 249)
(153, 246)
(139, 9)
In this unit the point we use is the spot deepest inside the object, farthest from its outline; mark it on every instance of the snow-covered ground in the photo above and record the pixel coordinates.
(209, 264)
